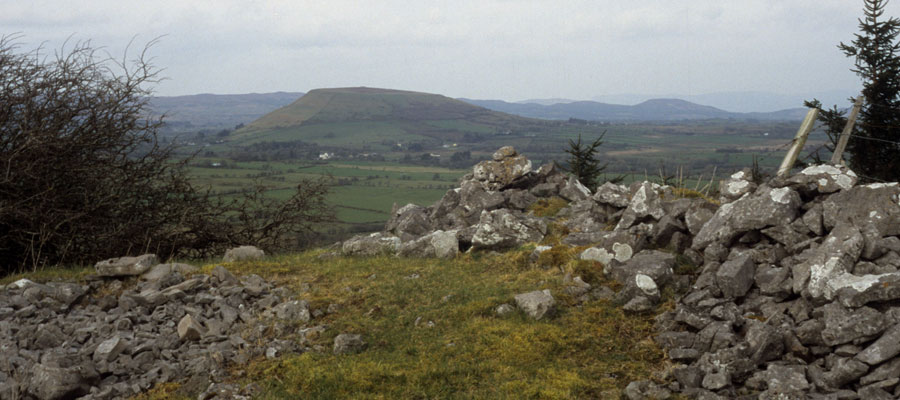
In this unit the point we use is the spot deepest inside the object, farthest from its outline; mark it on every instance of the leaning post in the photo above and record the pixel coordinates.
(798, 142)
(845, 135)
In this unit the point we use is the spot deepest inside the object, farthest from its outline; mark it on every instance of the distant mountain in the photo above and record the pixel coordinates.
(217, 111)
(650, 110)
(744, 102)
(546, 102)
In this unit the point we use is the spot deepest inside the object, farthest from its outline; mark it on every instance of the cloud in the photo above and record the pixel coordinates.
(487, 48)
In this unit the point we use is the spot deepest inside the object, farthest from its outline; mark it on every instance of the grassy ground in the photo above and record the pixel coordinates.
(591, 350)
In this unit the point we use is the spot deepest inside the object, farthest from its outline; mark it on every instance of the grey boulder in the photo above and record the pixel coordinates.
(537, 304)
(504, 229)
(370, 245)
(243, 253)
(348, 343)
(125, 266)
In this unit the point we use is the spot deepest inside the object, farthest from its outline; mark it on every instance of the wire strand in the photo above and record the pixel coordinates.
(874, 139)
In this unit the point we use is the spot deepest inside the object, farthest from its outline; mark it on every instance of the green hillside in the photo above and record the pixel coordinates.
(378, 119)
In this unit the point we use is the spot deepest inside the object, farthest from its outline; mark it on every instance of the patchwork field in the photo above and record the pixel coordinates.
(363, 193)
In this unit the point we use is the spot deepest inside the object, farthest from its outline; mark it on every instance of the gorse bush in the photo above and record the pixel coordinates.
(83, 176)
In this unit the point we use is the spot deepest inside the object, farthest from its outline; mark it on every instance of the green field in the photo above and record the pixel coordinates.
(362, 192)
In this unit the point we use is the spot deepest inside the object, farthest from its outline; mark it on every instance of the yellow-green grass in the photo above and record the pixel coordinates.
(589, 351)
(50, 274)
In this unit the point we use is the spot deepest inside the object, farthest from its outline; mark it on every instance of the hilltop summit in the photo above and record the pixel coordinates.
(370, 104)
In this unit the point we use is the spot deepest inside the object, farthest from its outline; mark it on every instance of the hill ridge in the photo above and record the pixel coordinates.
(661, 109)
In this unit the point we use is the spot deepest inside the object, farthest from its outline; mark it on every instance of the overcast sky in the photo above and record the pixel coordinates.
(484, 49)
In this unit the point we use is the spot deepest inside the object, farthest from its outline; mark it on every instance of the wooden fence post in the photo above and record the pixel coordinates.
(845, 135)
(798, 142)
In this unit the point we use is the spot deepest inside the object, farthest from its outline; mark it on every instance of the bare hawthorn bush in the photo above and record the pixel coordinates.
(83, 176)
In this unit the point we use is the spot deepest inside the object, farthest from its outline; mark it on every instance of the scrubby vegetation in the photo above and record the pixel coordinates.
(84, 177)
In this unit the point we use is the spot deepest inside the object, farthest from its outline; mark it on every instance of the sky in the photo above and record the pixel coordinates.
(481, 49)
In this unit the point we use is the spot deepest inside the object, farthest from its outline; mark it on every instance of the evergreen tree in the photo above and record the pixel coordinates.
(874, 152)
(583, 162)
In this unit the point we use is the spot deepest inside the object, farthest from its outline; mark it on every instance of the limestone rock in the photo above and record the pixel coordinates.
(735, 276)
(504, 229)
(125, 266)
(574, 190)
(161, 270)
(823, 179)
(292, 310)
(644, 203)
(883, 349)
(409, 222)
(655, 264)
(596, 254)
(109, 349)
(612, 194)
(224, 277)
(646, 390)
(843, 325)
(61, 383)
(875, 204)
(189, 329)
(348, 343)
(505, 168)
(844, 370)
(243, 253)
(504, 310)
(537, 304)
(438, 244)
(786, 381)
(737, 185)
(757, 210)
(370, 245)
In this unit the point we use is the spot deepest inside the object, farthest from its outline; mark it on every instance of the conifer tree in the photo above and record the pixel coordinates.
(583, 162)
(874, 152)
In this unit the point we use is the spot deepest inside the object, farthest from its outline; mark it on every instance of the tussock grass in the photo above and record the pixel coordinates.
(548, 207)
(588, 351)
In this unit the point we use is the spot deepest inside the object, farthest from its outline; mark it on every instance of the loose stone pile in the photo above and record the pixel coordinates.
(115, 337)
(797, 296)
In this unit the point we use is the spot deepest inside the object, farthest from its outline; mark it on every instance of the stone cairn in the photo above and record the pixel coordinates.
(796, 293)
(138, 323)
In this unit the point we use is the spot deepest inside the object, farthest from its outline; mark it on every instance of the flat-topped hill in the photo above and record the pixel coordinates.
(353, 116)
(369, 104)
